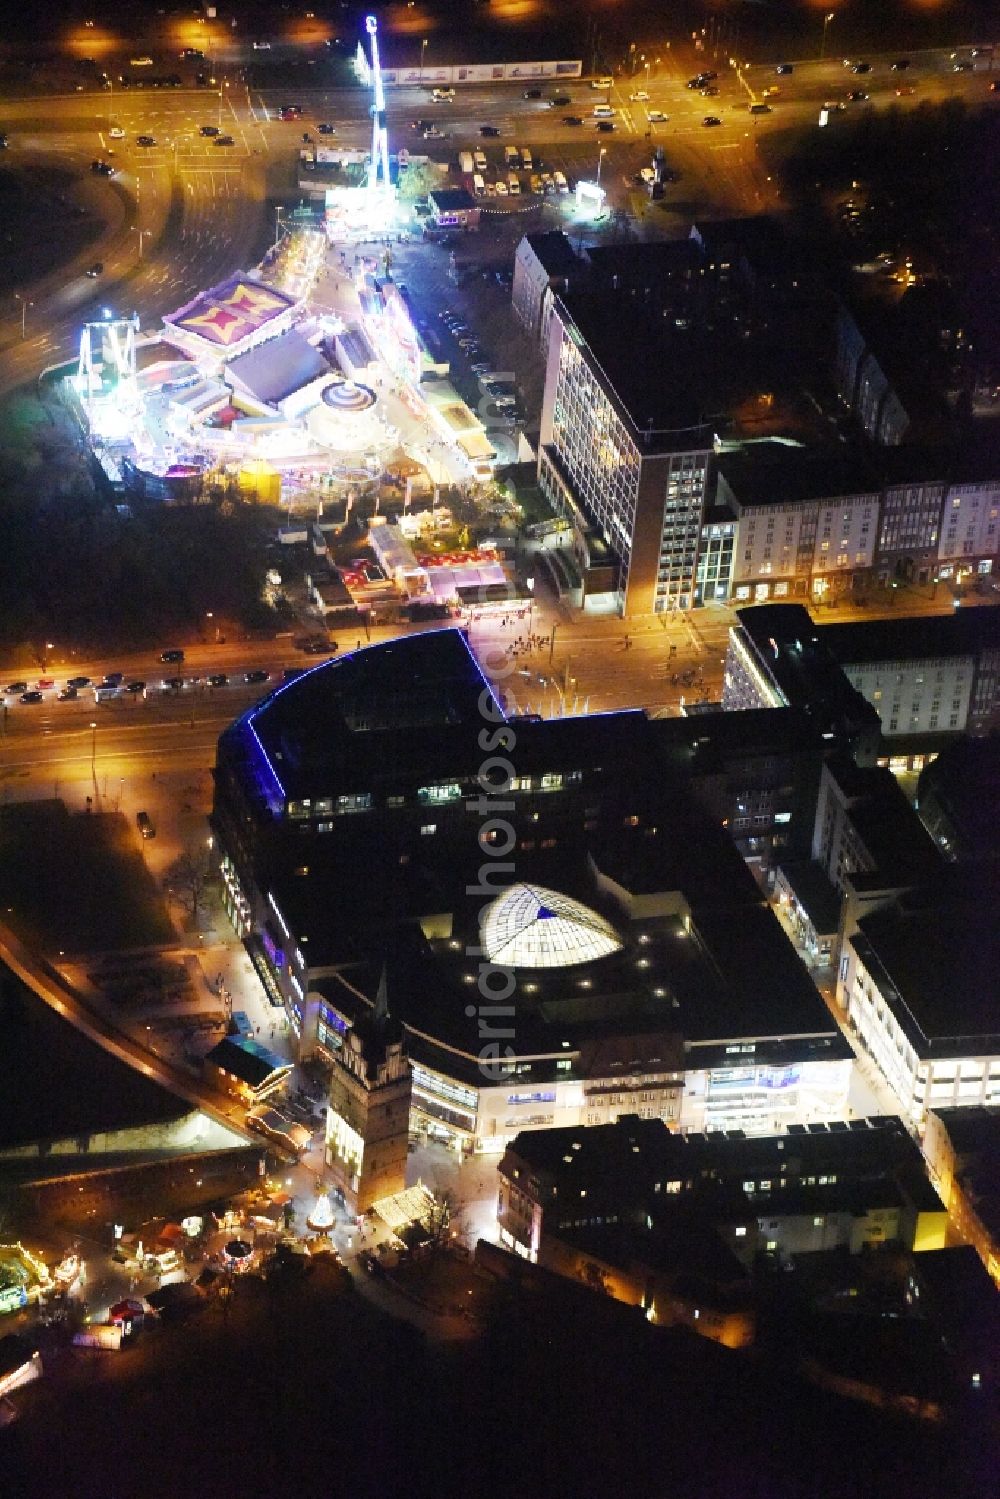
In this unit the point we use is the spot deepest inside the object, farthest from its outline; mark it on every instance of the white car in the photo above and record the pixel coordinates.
(140, 62)
(640, 95)
(116, 133)
(443, 95)
(262, 46)
(501, 188)
(656, 117)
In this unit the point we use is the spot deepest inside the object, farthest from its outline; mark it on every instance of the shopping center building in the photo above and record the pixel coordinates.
(583, 943)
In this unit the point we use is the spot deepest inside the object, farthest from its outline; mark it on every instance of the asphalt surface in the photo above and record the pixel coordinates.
(185, 212)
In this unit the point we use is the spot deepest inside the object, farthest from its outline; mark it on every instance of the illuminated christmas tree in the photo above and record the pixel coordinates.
(321, 1219)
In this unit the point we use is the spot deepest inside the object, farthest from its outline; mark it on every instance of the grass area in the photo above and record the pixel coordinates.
(77, 883)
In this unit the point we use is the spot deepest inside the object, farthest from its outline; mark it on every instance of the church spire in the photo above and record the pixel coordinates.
(382, 999)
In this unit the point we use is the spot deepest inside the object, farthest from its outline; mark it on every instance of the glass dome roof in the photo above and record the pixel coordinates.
(531, 927)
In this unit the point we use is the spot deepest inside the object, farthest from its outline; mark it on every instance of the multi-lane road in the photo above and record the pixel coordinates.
(592, 664)
(184, 212)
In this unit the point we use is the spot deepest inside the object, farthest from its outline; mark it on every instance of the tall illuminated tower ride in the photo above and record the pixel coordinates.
(380, 135)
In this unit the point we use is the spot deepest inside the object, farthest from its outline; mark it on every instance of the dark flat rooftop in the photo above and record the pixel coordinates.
(937, 960)
(56, 1083)
(776, 474)
(963, 632)
(555, 252)
(645, 263)
(886, 822)
(814, 892)
(647, 1148)
(328, 730)
(798, 656)
(632, 353)
(709, 742)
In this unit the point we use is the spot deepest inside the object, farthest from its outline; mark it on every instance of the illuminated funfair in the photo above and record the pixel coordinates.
(105, 379)
(379, 168)
(363, 212)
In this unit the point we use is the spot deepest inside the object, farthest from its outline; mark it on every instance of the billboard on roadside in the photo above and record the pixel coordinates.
(483, 72)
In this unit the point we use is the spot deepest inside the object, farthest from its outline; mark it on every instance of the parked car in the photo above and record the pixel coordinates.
(224, 140)
(78, 682)
(32, 697)
(113, 679)
(209, 130)
(95, 270)
(257, 675)
(326, 129)
(144, 825)
(68, 695)
(171, 655)
(116, 133)
(135, 687)
(218, 679)
(145, 140)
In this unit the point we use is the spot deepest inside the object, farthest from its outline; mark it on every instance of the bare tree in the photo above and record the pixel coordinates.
(440, 1220)
(187, 877)
(595, 1277)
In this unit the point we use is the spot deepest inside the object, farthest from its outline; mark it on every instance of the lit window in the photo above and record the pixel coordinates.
(446, 791)
(741, 1232)
(427, 828)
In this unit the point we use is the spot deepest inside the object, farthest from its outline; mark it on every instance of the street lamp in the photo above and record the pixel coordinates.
(826, 21)
(93, 751)
(277, 223)
(600, 157)
(25, 304)
(143, 234)
(423, 49)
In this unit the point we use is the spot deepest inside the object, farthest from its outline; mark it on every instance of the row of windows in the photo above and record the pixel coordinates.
(439, 794)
